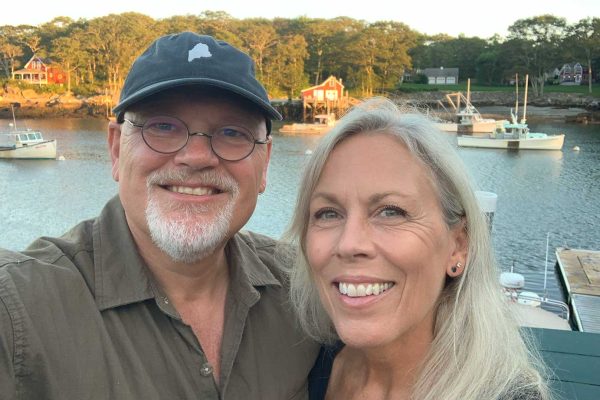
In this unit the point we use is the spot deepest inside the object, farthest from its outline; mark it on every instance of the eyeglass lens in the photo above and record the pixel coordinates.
(169, 135)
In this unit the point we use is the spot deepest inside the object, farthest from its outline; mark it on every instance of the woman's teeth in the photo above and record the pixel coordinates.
(363, 289)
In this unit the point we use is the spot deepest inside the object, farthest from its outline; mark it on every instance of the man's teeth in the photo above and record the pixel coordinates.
(363, 289)
(197, 191)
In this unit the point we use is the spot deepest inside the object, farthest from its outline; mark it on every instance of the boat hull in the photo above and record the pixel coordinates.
(43, 150)
(304, 129)
(447, 126)
(554, 142)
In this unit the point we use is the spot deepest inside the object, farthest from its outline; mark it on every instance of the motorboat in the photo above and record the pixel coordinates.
(514, 135)
(323, 122)
(25, 143)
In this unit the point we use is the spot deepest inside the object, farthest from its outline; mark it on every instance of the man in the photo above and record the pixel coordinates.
(160, 297)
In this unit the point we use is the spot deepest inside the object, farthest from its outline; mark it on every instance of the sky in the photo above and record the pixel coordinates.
(469, 17)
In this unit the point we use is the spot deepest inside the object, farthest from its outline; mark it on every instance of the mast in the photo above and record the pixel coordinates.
(468, 91)
(524, 120)
(517, 96)
(12, 109)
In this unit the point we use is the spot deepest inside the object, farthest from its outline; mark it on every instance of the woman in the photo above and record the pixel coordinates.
(395, 273)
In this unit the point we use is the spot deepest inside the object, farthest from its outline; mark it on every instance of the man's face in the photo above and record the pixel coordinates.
(190, 202)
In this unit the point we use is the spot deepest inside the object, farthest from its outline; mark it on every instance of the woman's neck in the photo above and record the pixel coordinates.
(383, 372)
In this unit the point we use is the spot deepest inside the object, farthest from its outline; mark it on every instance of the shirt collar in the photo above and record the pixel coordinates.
(121, 275)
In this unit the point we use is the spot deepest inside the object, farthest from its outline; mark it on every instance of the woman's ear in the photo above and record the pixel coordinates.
(458, 259)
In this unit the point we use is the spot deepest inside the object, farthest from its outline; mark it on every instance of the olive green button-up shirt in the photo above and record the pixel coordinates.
(81, 317)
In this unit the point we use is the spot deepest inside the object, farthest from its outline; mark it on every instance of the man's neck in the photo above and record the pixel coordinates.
(198, 291)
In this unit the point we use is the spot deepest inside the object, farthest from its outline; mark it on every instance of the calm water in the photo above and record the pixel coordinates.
(538, 191)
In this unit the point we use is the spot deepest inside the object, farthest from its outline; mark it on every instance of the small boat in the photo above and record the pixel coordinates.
(25, 143)
(323, 124)
(468, 118)
(527, 307)
(514, 135)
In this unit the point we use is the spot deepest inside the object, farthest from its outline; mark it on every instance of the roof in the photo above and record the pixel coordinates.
(440, 71)
(574, 361)
(323, 83)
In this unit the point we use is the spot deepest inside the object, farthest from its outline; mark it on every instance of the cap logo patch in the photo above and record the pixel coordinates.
(199, 51)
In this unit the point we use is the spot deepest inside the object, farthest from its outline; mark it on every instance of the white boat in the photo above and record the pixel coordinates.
(527, 308)
(468, 118)
(531, 309)
(25, 144)
(514, 135)
(323, 124)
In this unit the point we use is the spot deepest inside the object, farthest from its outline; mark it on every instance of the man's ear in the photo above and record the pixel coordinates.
(114, 147)
(263, 183)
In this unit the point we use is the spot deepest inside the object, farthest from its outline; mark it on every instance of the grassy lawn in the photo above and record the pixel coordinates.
(462, 87)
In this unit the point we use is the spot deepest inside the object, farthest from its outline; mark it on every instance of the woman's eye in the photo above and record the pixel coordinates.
(391, 211)
(326, 214)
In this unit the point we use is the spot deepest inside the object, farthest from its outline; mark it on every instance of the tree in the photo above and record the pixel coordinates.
(258, 36)
(585, 38)
(286, 65)
(10, 51)
(539, 39)
(117, 40)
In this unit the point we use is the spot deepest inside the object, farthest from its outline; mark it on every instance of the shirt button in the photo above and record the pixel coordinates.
(206, 369)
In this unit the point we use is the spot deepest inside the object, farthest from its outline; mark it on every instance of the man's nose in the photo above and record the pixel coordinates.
(197, 153)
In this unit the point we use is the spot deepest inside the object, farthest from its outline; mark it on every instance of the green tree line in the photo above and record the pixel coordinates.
(291, 54)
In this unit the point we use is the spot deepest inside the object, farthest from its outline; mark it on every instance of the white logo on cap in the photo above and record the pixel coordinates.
(199, 51)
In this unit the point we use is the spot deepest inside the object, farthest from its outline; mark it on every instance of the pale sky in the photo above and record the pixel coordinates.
(469, 17)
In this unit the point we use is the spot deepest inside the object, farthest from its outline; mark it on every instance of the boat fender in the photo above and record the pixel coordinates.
(512, 280)
(529, 299)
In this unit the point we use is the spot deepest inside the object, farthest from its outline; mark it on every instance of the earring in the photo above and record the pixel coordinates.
(456, 267)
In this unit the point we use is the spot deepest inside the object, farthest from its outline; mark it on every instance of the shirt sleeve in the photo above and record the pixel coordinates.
(7, 370)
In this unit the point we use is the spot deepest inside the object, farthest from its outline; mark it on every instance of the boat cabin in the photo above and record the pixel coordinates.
(20, 138)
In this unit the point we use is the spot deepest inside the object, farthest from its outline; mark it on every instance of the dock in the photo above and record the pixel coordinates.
(573, 359)
(580, 274)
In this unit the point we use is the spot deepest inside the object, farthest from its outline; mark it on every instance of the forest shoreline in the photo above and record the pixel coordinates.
(31, 106)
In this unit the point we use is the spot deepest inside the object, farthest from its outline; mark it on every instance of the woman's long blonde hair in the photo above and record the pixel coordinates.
(478, 351)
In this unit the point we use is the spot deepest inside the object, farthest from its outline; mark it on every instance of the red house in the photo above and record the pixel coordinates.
(331, 90)
(40, 72)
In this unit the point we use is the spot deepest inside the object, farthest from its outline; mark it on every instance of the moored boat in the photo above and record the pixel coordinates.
(25, 143)
(514, 135)
(323, 124)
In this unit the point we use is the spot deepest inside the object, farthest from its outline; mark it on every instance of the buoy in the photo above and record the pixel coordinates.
(61, 158)
(308, 152)
(576, 148)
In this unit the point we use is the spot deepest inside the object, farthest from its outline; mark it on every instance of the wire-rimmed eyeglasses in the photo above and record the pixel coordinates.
(167, 135)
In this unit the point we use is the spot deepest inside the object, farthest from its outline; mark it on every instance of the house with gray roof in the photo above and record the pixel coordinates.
(441, 76)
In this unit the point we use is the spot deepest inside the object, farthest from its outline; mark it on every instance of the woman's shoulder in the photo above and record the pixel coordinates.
(318, 379)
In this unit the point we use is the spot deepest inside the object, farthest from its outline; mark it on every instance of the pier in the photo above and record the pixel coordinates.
(580, 274)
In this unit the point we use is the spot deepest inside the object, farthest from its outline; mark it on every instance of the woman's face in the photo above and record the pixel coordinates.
(377, 243)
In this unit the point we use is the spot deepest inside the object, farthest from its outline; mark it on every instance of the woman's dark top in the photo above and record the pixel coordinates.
(318, 379)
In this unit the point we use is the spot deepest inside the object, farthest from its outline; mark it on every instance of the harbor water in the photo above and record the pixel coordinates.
(538, 191)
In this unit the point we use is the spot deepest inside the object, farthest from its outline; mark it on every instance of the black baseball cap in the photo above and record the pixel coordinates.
(189, 59)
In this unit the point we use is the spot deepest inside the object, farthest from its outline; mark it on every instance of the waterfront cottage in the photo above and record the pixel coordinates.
(39, 71)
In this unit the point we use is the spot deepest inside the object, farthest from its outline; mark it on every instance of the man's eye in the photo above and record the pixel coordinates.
(163, 126)
(235, 134)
